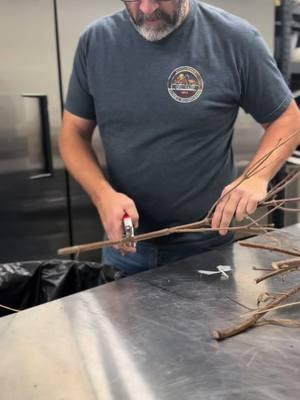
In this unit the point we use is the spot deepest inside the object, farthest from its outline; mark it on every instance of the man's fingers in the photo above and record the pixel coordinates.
(125, 248)
(217, 217)
(227, 216)
(116, 233)
(131, 211)
(112, 209)
(251, 206)
(133, 214)
(228, 212)
(239, 199)
(241, 210)
(129, 246)
(115, 230)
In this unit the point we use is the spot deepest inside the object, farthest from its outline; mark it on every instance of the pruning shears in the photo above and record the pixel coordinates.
(128, 227)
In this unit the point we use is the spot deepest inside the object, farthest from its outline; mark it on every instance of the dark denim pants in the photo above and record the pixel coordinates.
(150, 256)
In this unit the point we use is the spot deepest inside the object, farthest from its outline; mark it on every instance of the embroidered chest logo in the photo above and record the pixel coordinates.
(185, 84)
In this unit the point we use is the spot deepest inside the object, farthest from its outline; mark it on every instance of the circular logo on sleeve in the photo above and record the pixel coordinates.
(185, 84)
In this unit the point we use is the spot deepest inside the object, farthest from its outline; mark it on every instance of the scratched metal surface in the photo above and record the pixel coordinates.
(148, 337)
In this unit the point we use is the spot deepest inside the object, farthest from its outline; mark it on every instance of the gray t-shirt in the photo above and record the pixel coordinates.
(166, 109)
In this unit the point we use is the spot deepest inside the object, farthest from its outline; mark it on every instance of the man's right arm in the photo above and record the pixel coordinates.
(80, 160)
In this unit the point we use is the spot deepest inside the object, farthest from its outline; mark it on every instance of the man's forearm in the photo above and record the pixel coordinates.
(82, 163)
(286, 129)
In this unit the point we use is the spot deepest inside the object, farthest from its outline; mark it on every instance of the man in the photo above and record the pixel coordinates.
(164, 81)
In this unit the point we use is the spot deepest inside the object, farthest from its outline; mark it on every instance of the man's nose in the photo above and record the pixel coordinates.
(148, 6)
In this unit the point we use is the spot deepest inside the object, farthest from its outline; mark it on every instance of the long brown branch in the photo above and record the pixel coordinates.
(198, 226)
(250, 322)
(124, 241)
(271, 248)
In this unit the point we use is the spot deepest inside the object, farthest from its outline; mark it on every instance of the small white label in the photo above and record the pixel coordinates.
(221, 269)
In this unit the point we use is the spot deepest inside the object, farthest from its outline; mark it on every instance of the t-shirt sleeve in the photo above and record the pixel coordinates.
(79, 99)
(264, 95)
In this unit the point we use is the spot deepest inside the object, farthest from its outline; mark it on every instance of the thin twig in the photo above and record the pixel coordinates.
(249, 227)
(291, 210)
(276, 265)
(272, 309)
(275, 273)
(239, 304)
(275, 202)
(261, 269)
(284, 183)
(292, 265)
(289, 323)
(260, 227)
(9, 308)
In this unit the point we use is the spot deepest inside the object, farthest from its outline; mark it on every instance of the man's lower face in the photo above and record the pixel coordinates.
(159, 24)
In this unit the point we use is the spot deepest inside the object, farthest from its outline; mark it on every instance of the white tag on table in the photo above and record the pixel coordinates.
(221, 269)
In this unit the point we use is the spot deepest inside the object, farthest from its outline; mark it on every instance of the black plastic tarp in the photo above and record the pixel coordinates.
(30, 283)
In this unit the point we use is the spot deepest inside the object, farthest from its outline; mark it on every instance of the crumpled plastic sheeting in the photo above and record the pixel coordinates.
(30, 283)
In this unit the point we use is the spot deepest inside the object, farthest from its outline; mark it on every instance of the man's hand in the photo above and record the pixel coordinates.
(244, 198)
(238, 202)
(111, 207)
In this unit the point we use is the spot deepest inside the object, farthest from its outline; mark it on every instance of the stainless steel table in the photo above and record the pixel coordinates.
(148, 337)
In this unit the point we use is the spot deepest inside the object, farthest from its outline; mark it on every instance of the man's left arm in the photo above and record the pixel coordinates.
(243, 200)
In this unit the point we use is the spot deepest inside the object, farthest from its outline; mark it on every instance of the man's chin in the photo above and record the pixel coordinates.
(154, 34)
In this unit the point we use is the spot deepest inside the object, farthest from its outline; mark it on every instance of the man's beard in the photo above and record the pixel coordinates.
(166, 25)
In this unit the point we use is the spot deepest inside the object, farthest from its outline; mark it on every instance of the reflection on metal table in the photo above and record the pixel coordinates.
(148, 337)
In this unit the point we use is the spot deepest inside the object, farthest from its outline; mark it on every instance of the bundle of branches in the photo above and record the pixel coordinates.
(273, 302)
(270, 203)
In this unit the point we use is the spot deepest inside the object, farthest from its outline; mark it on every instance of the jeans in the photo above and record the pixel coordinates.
(150, 256)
